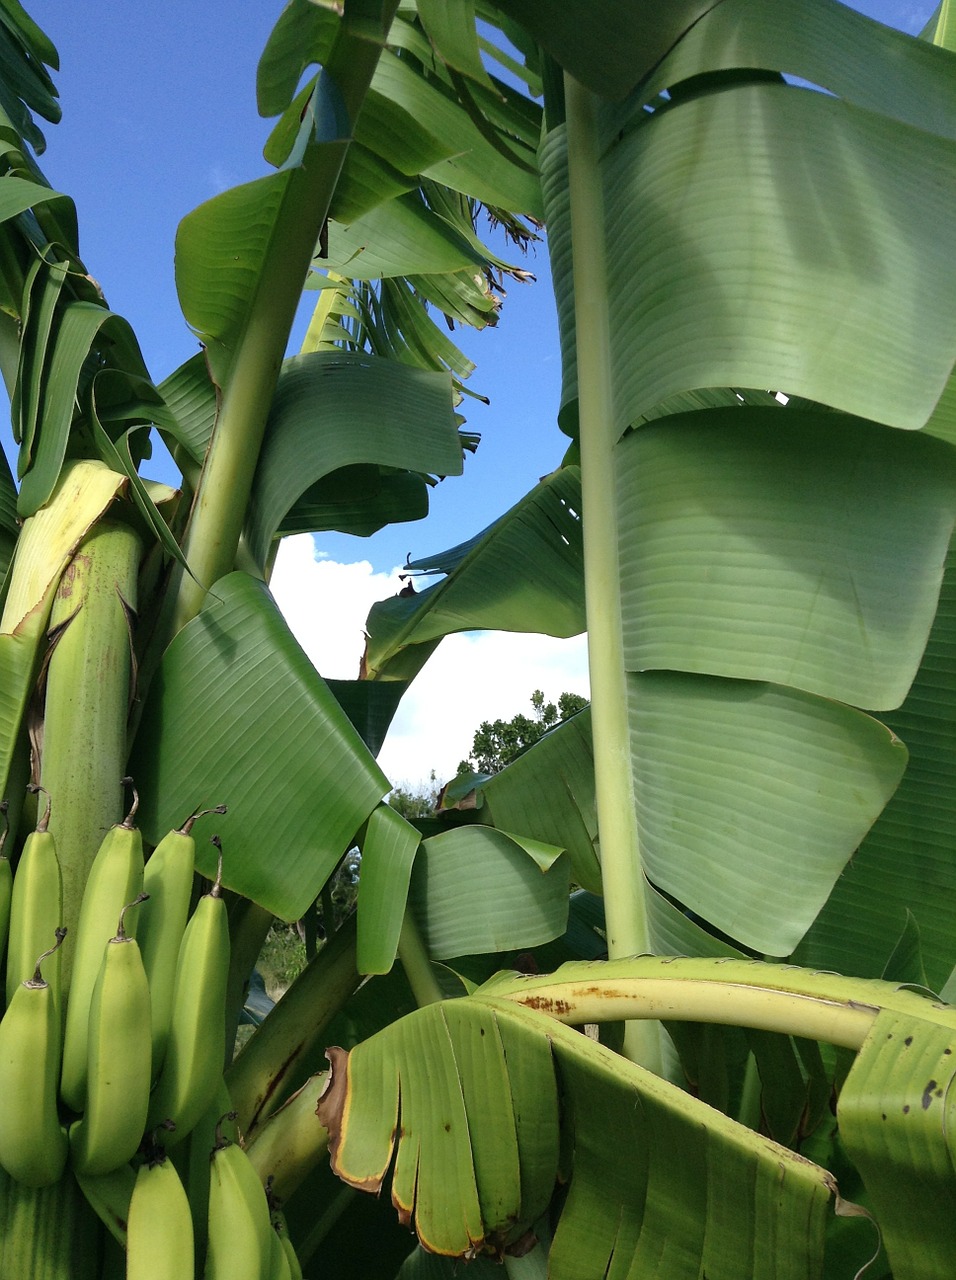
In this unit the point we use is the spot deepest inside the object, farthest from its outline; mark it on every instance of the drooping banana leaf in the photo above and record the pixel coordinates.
(523, 573)
(237, 707)
(780, 545)
(388, 853)
(370, 705)
(191, 396)
(908, 860)
(334, 410)
(476, 889)
(548, 793)
(475, 1137)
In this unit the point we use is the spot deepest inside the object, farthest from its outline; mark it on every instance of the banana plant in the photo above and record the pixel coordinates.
(754, 286)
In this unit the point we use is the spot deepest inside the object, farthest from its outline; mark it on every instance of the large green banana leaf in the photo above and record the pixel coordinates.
(521, 574)
(333, 411)
(907, 862)
(237, 715)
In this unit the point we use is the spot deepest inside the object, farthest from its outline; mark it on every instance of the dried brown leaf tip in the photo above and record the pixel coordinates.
(331, 1104)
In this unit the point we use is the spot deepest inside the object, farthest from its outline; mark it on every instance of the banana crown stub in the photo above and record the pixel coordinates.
(121, 934)
(129, 821)
(216, 890)
(37, 982)
(187, 826)
(43, 822)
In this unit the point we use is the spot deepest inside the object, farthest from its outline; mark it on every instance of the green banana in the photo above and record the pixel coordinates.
(239, 1229)
(278, 1260)
(196, 1048)
(33, 1144)
(109, 1195)
(285, 1264)
(116, 877)
(36, 907)
(6, 880)
(119, 1059)
(208, 1130)
(168, 880)
(159, 1234)
(280, 1227)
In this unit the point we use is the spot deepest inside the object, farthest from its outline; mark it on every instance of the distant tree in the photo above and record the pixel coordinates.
(497, 742)
(419, 801)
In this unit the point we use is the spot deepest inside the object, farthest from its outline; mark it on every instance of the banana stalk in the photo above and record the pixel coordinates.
(290, 1144)
(87, 699)
(262, 1074)
(6, 880)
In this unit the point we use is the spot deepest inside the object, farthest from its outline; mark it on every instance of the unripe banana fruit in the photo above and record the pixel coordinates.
(159, 1233)
(240, 1232)
(36, 908)
(6, 880)
(196, 1048)
(286, 1264)
(33, 1144)
(168, 879)
(120, 1055)
(116, 877)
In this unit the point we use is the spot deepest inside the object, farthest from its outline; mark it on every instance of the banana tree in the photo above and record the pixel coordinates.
(764, 768)
(754, 286)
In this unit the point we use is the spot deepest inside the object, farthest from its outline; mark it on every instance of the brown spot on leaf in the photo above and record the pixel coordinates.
(546, 1004)
(908, 1041)
(906, 1110)
(928, 1094)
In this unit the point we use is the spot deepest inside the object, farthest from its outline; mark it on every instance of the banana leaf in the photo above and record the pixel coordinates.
(237, 708)
(334, 410)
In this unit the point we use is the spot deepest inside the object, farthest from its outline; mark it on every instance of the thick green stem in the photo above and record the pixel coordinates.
(264, 1072)
(622, 876)
(417, 966)
(87, 703)
(778, 998)
(222, 496)
(292, 1141)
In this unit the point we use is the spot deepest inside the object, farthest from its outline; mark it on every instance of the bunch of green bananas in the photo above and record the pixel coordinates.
(133, 1064)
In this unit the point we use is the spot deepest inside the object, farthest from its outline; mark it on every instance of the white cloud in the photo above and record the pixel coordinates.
(326, 603)
(471, 677)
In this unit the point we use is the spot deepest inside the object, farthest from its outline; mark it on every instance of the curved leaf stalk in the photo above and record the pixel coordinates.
(222, 496)
(417, 965)
(262, 1074)
(83, 755)
(621, 874)
(290, 1144)
(742, 993)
